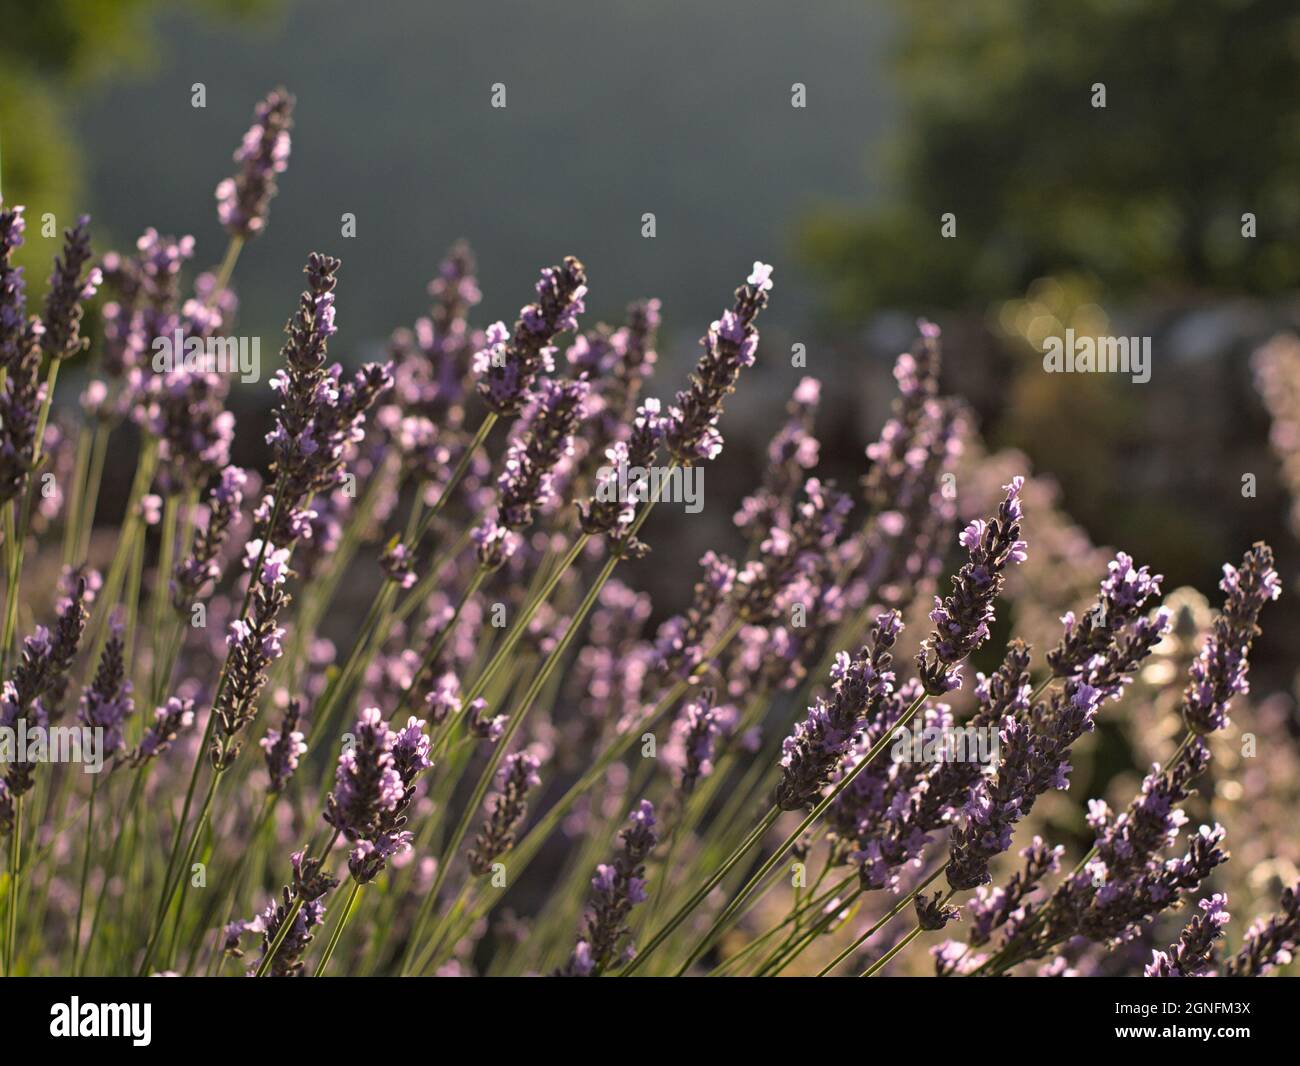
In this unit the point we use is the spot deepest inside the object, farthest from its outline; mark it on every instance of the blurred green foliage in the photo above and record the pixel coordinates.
(50, 51)
(1201, 124)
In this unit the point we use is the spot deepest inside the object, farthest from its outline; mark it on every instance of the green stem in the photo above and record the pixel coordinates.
(15, 872)
(895, 909)
(338, 928)
(85, 873)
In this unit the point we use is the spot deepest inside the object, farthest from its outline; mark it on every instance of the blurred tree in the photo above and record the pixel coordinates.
(49, 49)
(1201, 125)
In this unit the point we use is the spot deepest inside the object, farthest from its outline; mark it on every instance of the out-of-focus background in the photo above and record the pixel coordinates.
(1172, 212)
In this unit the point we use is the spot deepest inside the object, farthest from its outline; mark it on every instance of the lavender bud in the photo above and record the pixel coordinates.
(68, 291)
(283, 747)
(1219, 672)
(961, 621)
(243, 201)
(616, 889)
(814, 750)
(507, 809)
(691, 434)
(511, 361)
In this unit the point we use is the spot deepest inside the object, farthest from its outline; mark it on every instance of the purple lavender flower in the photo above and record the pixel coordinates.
(605, 513)
(510, 362)
(730, 345)
(168, 721)
(367, 785)
(616, 889)
(1193, 955)
(1007, 906)
(525, 483)
(697, 730)
(185, 412)
(309, 884)
(767, 585)
(253, 644)
(20, 358)
(961, 621)
(814, 750)
(1219, 672)
(243, 201)
(507, 809)
(410, 751)
(931, 912)
(319, 414)
(1123, 595)
(680, 642)
(32, 693)
(106, 702)
(13, 289)
(68, 291)
(283, 747)
(203, 564)
(1033, 759)
(1269, 942)
(398, 564)
(1127, 882)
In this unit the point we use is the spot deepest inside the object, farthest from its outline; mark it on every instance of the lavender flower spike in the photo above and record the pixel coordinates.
(68, 291)
(202, 565)
(367, 785)
(818, 744)
(1219, 672)
(525, 484)
(106, 703)
(511, 360)
(1193, 955)
(243, 201)
(168, 721)
(730, 345)
(1270, 942)
(518, 777)
(961, 621)
(283, 747)
(616, 889)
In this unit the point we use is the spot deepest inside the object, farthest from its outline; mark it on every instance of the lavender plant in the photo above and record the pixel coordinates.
(501, 718)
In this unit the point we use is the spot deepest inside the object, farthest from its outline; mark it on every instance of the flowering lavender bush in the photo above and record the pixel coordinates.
(721, 795)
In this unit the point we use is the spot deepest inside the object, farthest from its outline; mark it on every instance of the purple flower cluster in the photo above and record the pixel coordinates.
(244, 200)
(1219, 672)
(283, 747)
(69, 290)
(1033, 759)
(961, 621)
(729, 346)
(106, 702)
(410, 749)
(320, 414)
(510, 361)
(811, 754)
(202, 565)
(308, 884)
(1193, 955)
(168, 721)
(367, 785)
(34, 689)
(20, 358)
(697, 730)
(1270, 942)
(507, 809)
(616, 889)
(681, 641)
(525, 483)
